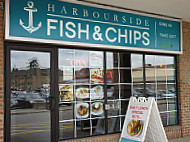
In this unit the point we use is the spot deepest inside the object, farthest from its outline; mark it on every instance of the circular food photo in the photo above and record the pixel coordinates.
(82, 110)
(135, 127)
(97, 92)
(97, 108)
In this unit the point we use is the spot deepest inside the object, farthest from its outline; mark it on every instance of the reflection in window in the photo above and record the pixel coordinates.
(136, 61)
(160, 79)
(137, 68)
(30, 92)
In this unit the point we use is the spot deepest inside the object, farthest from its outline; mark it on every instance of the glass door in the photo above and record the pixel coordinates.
(30, 97)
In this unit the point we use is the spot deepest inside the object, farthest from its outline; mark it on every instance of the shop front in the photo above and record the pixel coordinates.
(71, 68)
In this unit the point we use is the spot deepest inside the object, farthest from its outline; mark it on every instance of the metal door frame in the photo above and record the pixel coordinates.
(54, 100)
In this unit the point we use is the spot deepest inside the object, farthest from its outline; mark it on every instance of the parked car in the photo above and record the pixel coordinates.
(139, 92)
(168, 94)
(13, 102)
(28, 100)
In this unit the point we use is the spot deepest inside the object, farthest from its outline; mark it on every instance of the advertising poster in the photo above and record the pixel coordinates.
(136, 121)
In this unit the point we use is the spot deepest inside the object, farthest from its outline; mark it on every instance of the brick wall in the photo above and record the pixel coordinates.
(184, 81)
(1, 71)
(171, 132)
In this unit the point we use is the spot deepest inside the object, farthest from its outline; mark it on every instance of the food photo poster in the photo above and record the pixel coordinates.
(135, 123)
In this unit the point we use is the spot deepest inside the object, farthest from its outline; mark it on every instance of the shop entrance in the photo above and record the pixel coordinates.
(30, 99)
(54, 94)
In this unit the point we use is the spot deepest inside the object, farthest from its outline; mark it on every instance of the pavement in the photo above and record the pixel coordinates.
(184, 139)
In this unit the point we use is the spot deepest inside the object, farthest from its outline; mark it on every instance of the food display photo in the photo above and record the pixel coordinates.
(82, 110)
(97, 92)
(135, 127)
(82, 92)
(96, 75)
(66, 92)
(97, 108)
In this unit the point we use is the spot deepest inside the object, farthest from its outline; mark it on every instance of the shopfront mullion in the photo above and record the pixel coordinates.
(90, 86)
(7, 124)
(105, 92)
(54, 82)
(177, 89)
(167, 97)
(74, 90)
(144, 76)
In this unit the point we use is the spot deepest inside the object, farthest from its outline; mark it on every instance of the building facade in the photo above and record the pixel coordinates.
(86, 78)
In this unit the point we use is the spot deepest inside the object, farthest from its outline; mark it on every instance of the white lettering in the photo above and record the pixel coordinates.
(85, 13)
(163, 24)
(130, 36)
(70, 29)
(131, 20)
(145, 36)
(96, 15)
(51, 7)
(107, 32)
(106, 17)
(138, 21)
(137, 36)
(147, 23)
(124, 19)
(61, 28)
(75, 11)
(49, 27)
(115, 18)
(83, 31)
(64, 10)
(120, 35)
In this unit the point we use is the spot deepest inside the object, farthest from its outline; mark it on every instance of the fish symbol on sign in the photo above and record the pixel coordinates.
(30, 28)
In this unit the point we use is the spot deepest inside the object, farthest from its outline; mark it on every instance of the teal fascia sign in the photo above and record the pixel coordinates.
(61, 22)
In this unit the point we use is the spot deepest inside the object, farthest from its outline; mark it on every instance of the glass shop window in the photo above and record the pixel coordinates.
(83, 89)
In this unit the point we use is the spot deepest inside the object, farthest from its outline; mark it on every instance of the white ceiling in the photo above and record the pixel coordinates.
(171, 8)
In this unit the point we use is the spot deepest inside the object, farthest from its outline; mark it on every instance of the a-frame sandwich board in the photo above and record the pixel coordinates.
(143, 122)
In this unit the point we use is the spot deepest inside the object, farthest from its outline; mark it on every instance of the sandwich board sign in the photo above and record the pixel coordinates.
(143, 122)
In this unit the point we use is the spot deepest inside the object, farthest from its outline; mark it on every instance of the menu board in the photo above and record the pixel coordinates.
(142, 122)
